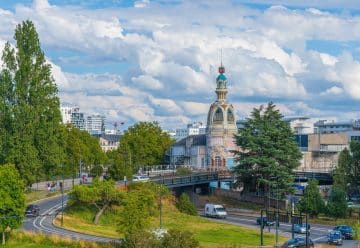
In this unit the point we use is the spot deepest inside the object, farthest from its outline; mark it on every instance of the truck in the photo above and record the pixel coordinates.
(215, 211)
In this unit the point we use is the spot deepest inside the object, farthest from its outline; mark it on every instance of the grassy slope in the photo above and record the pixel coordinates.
(35, 195)
(209, 233)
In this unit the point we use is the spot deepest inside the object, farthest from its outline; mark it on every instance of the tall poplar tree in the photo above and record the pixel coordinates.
(29, 108)
(268, 153)
(342, 173)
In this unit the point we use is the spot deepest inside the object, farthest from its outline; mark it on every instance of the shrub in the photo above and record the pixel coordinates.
(179, 239)
(185, 205)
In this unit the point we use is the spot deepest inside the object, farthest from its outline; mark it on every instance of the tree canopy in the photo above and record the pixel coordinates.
(269, 153)
(12, 203)
(29, 107)
(101, 194)
(342, 173)
(143, 144)
(337, 205)
(311, 202)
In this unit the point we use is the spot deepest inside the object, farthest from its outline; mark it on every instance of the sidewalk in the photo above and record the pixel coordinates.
(68, 183)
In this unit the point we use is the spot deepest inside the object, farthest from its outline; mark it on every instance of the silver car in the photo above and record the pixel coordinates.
(301, 228)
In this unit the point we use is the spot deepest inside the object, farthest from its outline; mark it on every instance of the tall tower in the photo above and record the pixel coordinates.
(221, 127)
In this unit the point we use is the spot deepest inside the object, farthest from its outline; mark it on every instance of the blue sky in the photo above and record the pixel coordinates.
(157, 60)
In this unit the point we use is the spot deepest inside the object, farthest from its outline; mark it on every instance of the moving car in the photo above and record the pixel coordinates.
(335, 237)
(297, 243)
(32, 210)
(265, 221)
(301, 228)
(139, 178)
(353, 205)
(215, 210)
(346, 231)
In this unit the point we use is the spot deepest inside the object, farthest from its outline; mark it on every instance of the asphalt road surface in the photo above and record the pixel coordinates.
(318, 233)
(44, 222)
(50, 207)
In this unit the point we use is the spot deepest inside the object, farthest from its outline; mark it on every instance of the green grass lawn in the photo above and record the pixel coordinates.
(35, 195)
(209, 233)
(20, 239)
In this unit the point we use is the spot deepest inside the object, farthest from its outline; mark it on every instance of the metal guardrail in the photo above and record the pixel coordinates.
(184, 180)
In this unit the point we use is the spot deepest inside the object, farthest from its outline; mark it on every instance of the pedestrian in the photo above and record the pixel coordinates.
(60, 186)
(48, 186)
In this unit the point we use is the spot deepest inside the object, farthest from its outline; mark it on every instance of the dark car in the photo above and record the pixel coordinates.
(346, 231)
(335, 237)
(32, 210)
(297, 243)
(266, 222)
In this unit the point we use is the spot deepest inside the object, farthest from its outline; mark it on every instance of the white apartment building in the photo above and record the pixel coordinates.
(194, 128)
(301, 124)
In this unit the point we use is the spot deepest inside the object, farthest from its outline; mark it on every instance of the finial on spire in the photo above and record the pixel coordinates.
(221, 68)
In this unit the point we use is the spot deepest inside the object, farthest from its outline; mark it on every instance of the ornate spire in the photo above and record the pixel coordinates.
(221, 81)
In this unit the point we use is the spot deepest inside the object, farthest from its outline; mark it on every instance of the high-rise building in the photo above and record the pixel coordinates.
(78, 118)
(66, 114)
(95, 124)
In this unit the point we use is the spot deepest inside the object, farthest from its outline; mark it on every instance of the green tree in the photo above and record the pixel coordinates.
(179, 239)
(185, 205)
(101, 194)
(12, 203)
(355, 165)
(143, 144)
(342, 173)
(81, 147)
(29, 108)
(311, 202)
(268, 152)
(337, 205)
(139, 204)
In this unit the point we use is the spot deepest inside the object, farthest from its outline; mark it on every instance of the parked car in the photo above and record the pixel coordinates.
(353, 205)
(265, 221)
(139, 178)
(346, 231)
(301, 228)
(297, 243)
(215, 210)
(335, 238)
(32, 210)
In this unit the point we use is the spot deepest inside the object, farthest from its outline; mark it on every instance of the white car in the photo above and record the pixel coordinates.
(139, 178)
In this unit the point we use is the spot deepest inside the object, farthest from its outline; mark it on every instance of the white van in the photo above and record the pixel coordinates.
(215, 210)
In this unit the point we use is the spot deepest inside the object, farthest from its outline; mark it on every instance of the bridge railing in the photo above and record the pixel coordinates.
(186, 179)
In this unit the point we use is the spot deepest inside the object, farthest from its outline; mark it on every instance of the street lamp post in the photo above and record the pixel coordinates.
(160, 207)
(277, 213)
(62, 195)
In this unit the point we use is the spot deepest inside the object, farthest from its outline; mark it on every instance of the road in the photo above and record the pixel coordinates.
(44, 222)
(49, 208)
(318, 233)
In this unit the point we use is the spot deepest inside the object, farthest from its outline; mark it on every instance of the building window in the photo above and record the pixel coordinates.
(218, 116)
(217, 162)
(230, 116)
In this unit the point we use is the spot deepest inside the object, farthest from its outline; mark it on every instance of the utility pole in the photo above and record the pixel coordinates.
(306, 228)
(277, 213)
(62, 195)
(262, 229)
(160, 206)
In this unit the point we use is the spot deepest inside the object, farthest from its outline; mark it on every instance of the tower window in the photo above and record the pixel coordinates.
(218, 116)
(230, 116)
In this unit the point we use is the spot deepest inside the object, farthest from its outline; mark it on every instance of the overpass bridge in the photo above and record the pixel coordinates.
(204, 178)
(174, 181)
